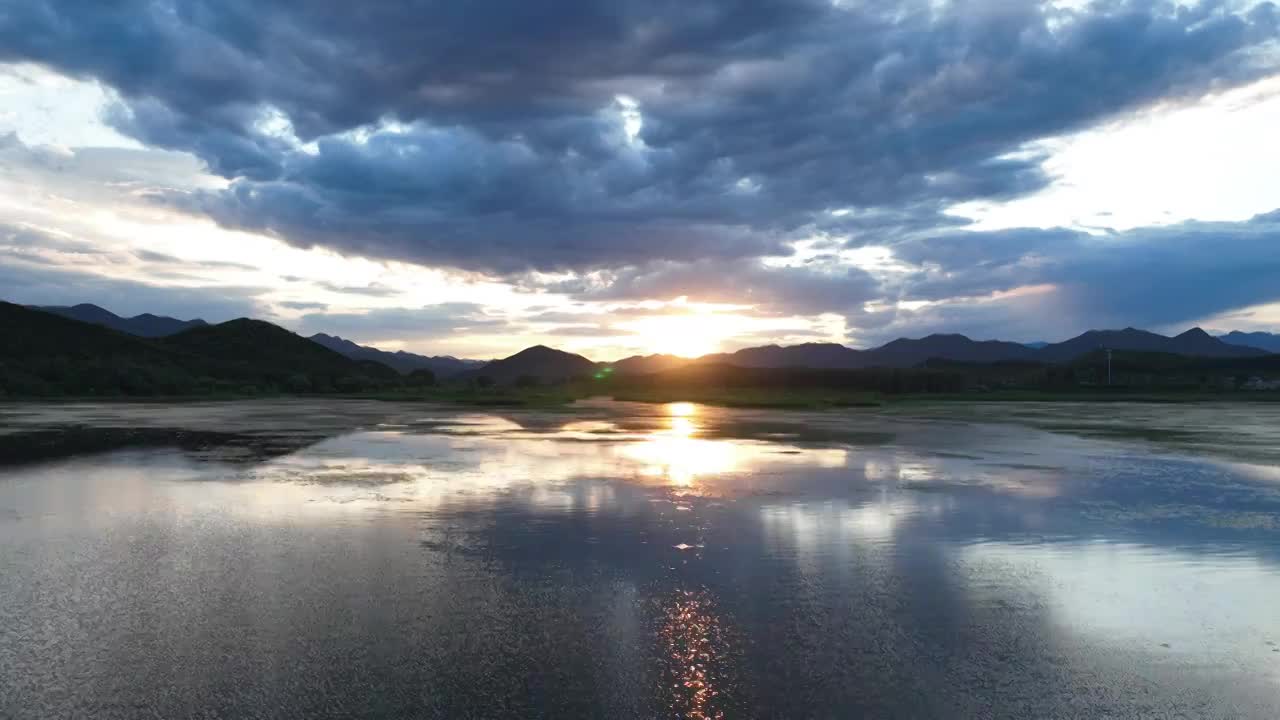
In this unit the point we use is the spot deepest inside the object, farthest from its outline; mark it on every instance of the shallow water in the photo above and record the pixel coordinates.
(359, 559)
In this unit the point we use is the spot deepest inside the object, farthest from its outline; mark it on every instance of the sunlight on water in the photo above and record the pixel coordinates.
(693, 638)
(622, 560)
(678, 456)
(477, 457)
(675, 454)
(681, 409)
(1107, 590)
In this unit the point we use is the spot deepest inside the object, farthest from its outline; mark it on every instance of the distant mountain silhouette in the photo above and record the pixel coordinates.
(1261, 340)
(645, 364)
(1194, 342)
(903, 352)
(256, 351)
(809, 355)
(443, 366)
(908, 352)
(541, 362)
(1037, 345)
(45, 354)
(1132, 370)
(145, 325)
(900, 353)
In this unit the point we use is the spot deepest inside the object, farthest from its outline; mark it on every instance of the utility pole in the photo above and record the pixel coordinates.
(1108, 367)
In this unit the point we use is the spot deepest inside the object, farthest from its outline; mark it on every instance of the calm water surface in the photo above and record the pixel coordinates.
(302, 559)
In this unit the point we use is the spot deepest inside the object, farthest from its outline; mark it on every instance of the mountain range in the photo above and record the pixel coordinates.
(904, 352)
(1194, 342)
(549, 365)
(443, 366)
(145, 325)
(47, 354)
(1262, 340)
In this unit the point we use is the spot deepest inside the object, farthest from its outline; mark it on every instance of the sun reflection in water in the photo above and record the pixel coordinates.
(684, 451)
(681, 409)
(693, 644)
(678, 455)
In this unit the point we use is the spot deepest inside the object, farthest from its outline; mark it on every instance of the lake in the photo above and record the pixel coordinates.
(305, 559)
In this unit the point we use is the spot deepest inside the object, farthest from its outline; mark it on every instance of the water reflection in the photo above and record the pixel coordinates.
(476, 457)
(675, 453)
(695, 647)
(679, 456)
(625, 561)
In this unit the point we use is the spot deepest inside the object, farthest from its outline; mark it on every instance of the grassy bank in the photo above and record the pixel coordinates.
(1100, 396)
(788, 398)
(546, 396)
(553, 396)
(752, 398)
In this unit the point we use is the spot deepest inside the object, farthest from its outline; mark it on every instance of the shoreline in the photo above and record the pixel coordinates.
(551, 397)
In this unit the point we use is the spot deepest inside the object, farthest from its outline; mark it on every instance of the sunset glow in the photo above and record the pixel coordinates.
(633, 220)
(685, 335)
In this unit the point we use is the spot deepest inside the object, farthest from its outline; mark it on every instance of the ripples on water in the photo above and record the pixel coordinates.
(634, 561)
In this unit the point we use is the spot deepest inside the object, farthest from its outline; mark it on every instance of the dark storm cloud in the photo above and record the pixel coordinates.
(1145, 277)
(331, 67)
(228, 151)
(509, 151)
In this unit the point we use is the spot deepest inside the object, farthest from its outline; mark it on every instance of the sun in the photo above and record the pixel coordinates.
(688, 336)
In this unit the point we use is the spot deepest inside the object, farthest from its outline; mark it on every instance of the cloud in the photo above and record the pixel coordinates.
(562, 317)
(100, 174)
(32, 245)
(422, 323)
(1038, 314)
(157, 258)
(1021, 284)
(371, 290)
(587, 331)
(303, 305)
(1147, 277)
(791, 289)
(505, 136)
(28, 284)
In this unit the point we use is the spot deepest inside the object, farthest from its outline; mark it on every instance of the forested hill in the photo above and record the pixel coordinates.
(44, 355)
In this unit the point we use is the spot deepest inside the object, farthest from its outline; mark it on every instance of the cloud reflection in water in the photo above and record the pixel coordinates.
(654, 561)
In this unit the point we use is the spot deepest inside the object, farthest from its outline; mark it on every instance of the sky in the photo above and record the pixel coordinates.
(615, 177)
